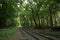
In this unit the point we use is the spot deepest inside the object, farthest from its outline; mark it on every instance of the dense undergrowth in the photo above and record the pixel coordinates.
(7, 33)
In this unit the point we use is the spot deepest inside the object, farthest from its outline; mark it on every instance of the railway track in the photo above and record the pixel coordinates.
(38, 36)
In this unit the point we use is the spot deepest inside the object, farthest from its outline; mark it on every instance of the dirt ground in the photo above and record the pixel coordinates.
(16, 36)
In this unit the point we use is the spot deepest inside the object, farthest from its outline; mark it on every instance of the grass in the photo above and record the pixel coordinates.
(48, 33)
(7, 33)
(54, 34)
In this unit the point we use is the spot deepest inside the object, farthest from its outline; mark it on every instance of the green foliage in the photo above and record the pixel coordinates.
(7, 33)
(37, 13)
(8, 13)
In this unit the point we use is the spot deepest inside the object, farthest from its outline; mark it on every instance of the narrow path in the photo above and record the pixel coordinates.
(17, 36)
(21, 35)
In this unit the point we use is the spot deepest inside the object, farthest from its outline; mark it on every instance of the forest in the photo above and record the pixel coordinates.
(31, 13)
(37, 14)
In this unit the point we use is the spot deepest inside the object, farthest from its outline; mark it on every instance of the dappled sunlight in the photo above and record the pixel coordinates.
(30, 19)
(58, 13)
(25, 2)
